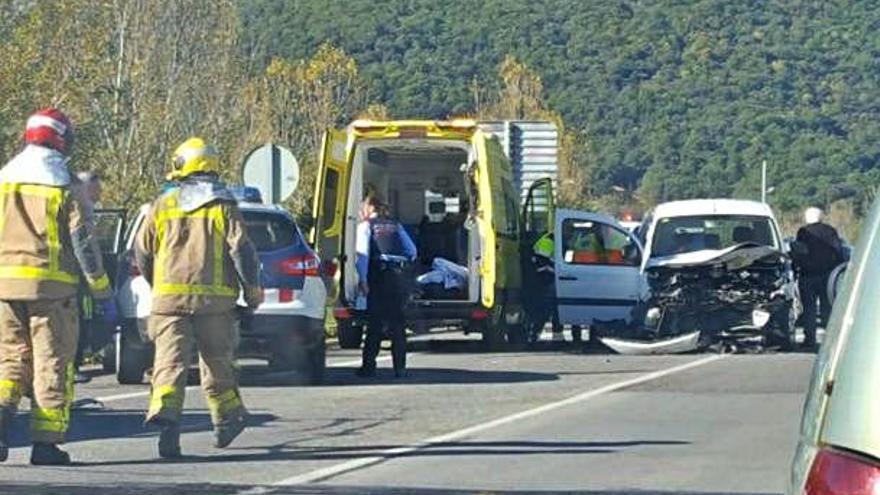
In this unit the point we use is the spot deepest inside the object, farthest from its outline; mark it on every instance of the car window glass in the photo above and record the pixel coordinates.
(328, 205)
(107, 230)
(594, 243)
(270, 232)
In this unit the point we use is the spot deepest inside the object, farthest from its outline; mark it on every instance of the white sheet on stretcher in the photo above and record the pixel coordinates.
(443, 271)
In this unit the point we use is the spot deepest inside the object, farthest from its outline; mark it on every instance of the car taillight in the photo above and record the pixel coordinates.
(840, 473)
(479, 314)
(299, 266)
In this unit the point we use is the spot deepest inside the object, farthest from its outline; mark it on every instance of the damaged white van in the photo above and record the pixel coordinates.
(717, 271)
(451, 186)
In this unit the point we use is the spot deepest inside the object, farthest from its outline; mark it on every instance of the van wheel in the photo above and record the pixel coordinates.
(516, 335)
(350, 335)
(493, 337)
(131, 362)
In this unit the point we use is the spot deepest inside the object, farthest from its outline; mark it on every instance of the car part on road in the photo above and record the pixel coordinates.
(676, 345)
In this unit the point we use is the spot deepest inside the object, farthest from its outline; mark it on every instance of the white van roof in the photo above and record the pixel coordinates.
(694, 207)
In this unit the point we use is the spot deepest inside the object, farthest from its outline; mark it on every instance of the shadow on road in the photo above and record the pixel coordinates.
(96, 424)
(435, 376)
(205, 489)
(289, 452)
(334, 377)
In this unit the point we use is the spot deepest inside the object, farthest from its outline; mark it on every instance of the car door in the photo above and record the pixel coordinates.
(598, 275)
(110, 234)
(538, 211)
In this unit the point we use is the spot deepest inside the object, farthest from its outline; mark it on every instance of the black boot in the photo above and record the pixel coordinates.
(169, 441)
(48, 454)
(366, 372)
(225, 432)
(5, 425)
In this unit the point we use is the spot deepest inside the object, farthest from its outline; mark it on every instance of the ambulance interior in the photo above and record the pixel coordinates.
(426, 186)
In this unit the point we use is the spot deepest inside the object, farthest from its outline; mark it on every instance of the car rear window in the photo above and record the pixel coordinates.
(271, 231)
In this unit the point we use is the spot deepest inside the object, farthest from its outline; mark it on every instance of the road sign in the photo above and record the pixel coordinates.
(273, 170)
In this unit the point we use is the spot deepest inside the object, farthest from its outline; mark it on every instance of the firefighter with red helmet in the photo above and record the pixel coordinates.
(46, 245)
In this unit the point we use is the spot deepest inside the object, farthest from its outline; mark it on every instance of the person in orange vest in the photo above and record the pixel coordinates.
(194, 296)
(46, 244)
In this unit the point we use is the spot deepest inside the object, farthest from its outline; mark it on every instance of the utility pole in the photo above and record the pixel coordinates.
(764, 181)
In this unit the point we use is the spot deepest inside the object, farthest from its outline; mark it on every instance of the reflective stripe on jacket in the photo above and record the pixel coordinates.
(46, 236)
(544, 249)
(196, 260)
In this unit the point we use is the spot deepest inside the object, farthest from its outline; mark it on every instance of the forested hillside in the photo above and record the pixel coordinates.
(672, 98)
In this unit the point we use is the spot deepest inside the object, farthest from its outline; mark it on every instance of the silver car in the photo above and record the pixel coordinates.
(839, 447)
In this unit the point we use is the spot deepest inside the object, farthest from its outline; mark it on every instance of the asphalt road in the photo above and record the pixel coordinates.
(549, 421)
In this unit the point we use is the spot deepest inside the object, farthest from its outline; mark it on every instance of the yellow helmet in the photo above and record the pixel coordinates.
(194, 156)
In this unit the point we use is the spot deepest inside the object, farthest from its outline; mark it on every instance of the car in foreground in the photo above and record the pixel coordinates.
(839, 446)
(717, 274)
(287, 329)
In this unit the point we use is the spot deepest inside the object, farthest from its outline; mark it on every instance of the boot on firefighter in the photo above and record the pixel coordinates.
(194, 296)
(46, 244)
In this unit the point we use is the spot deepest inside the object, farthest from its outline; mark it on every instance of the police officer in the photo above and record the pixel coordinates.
(195, 252)
(384, 253)
(46, 243)
(822, 251)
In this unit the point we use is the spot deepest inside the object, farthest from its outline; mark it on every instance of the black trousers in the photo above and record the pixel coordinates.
(814, 297)
(386, 302)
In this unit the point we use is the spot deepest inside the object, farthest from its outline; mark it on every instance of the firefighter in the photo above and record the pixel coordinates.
(46, 243)
(384, 254)
(195, 252)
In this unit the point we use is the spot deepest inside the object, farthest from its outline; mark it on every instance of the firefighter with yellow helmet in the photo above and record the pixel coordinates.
(195, 252)
(46, 242)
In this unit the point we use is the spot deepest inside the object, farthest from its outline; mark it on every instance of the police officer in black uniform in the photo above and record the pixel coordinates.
(384, 255)
(821, 250)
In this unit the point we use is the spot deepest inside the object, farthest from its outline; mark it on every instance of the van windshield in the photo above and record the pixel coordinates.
(679, 235)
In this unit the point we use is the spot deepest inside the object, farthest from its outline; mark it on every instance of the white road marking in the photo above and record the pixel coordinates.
(146, 393)
(363, 462)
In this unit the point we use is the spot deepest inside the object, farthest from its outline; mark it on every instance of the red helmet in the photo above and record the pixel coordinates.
(50, 128)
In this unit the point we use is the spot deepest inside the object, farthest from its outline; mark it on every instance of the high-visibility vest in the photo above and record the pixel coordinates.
(47, 261)
(210, 223)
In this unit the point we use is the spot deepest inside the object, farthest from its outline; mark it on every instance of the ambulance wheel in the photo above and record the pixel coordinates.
(516, 335)
(350, 335)
(493, 337)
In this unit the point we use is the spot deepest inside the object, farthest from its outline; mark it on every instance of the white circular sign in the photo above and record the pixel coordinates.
(273, 170)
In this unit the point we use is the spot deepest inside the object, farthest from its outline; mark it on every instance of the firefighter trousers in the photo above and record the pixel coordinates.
(37, 348)
(215, 336)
